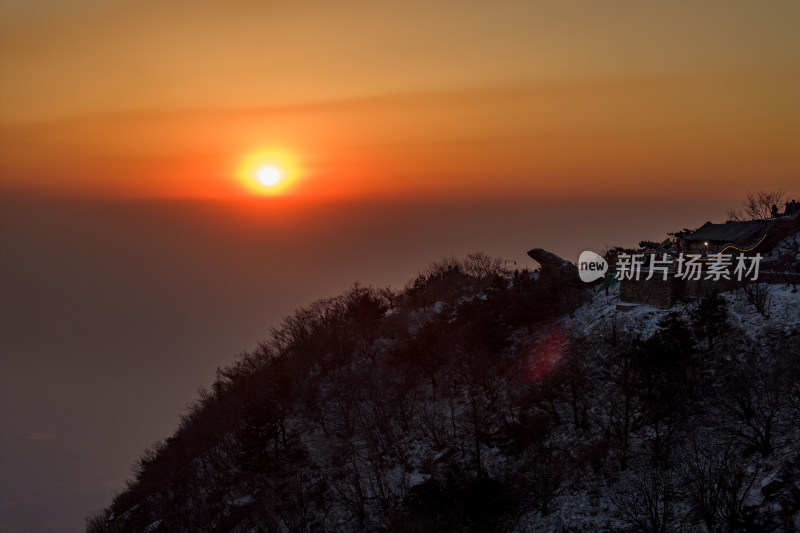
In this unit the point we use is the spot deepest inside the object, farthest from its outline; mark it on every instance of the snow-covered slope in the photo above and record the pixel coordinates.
(492, 406)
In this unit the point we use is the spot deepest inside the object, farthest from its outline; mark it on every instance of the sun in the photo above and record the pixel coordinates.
(268, 172)
(269, 176)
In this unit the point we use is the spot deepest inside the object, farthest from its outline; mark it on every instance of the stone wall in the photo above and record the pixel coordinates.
(696, 288)
(655, 291)
(664, 294)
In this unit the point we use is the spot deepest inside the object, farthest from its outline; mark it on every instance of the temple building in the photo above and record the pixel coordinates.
(730, 237)
(733, 237)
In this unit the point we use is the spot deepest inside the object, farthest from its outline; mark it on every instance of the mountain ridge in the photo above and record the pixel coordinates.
(483, 400)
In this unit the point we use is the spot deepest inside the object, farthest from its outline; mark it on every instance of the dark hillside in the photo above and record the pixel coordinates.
(480, 400)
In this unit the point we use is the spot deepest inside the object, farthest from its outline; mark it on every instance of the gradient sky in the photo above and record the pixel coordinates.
(412, 130)
(401, 99)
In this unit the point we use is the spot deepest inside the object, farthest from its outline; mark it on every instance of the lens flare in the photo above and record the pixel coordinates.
(546, 355)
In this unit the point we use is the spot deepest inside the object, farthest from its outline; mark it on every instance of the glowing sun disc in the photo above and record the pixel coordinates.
(268, 172)
(269, 176)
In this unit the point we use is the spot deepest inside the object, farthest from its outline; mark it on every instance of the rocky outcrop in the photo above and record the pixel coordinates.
(553, 265)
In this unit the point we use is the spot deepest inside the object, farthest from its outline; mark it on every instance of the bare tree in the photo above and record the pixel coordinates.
(432, 425)
(482, 266)
(621, 404)
(754, 400)
(760, 296)
(547, 478)
(734, 214)
(758, 205)
(648, 504)
(443, 265)
(348, 490)
(717, 483)
(97, 522)
(793, 394)
(296, 501)
(576, 386)
(787, 251)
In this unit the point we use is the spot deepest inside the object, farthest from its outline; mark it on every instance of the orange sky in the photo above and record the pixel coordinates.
(543, 118)
(465, 99)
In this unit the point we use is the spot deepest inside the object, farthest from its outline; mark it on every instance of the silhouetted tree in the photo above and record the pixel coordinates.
(259, 432)
(758, 205)
(717, 482)
(622, 403)
(648, 505)
(710, 318)
(759, 295)
(754, 399)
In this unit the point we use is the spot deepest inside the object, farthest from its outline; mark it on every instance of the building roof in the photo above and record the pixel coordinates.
(740, 232)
